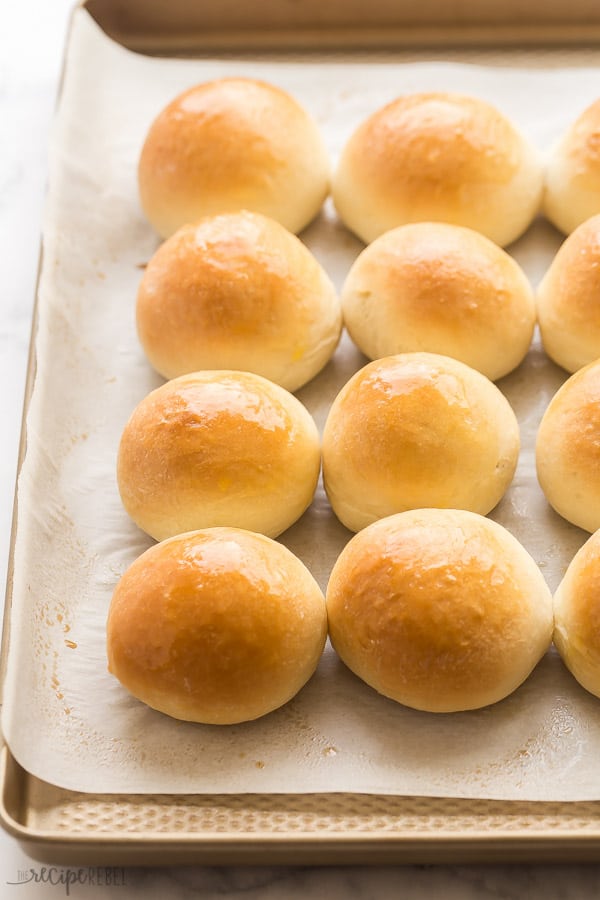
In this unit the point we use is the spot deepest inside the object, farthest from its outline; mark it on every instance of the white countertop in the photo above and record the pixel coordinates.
(31, 43)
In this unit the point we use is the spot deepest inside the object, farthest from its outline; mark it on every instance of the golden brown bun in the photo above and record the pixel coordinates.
(568, 300)
(218, 448)
(438, 157)
(216, 626)
(417, 430)
(568, 449)
(572, 180)
(228, 144)
(440, 610)
(238, 291)
(577, 616)
(443, 289)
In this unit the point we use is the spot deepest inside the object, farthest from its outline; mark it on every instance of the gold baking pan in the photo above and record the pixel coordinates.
(60, 826)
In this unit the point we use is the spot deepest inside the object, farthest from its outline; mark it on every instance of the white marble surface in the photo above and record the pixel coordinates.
(31, 40)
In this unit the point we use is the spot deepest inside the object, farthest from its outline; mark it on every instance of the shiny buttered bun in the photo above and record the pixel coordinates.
(438, 157)
(216, 626)
(440, 610)
(233, 143)
(238, 291)
(417, 430)
(568, 300)
(568, 449)
(443, 289)
(218, 448)
(572, 188)
(577, 614)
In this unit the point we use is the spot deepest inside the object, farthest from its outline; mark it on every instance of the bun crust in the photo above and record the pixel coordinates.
(417, 430)
(438, 157)
(568, 300)
(572, 181)
(440, 610)
(577, 616)
(568, 449)
(238, 291)
(216, 626)
(443, 289)
(229, 144)
(218, 448)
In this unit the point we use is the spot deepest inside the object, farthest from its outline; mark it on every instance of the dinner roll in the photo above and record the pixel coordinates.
(439, 609)
(417, 430)
(572, 180)
(238, 291)
(216, 626)
(577, 616)
(568, 300)
(444, 289)
(218, 448)
(438, 157)
(568, 449)
(228, 144)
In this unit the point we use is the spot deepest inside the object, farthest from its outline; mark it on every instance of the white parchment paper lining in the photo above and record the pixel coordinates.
(65, 718)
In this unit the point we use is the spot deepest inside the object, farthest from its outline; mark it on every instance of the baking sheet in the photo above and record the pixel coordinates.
(74, 540)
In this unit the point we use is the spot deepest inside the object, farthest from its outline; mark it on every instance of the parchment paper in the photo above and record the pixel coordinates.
(65, 718)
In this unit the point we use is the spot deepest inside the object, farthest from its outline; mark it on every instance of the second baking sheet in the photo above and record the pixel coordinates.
(65, 719)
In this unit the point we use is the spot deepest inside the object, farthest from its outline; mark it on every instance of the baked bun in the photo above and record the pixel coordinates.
(568, 300)
(439, 609)
(218, 448)
(216, 626)
(238, 291)
(577, 613)
(572, 180)
(228, 144)
(443, 289)
(568, 449)
(417, 430)
(438, 157)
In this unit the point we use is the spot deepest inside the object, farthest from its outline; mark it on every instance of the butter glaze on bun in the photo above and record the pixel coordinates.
(568, 300)
(572, 179)
(440, 610)
(443, 289)
(216, 626)
(229, 144)
(218, 448)
(417, 430)
(577, 616)
(238, 291)
(438, 157)
(568, 449)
